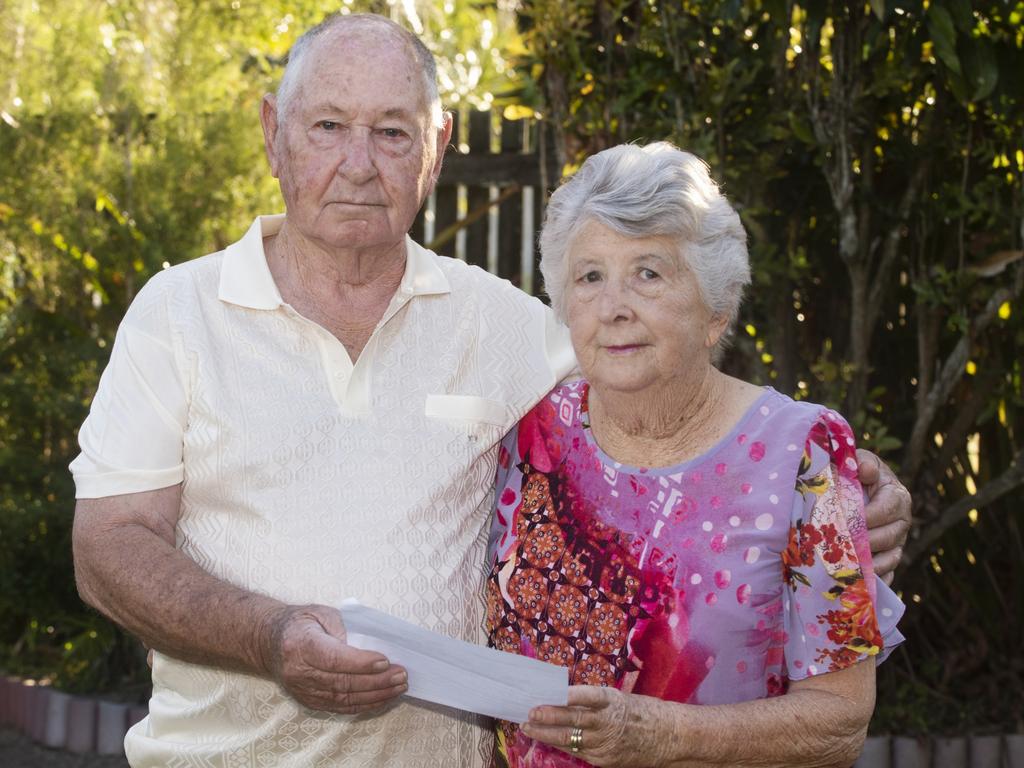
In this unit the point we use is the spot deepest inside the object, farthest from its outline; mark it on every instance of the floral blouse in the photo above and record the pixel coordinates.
(714, 581)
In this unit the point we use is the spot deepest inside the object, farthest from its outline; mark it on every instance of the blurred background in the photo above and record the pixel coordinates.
(875, 152)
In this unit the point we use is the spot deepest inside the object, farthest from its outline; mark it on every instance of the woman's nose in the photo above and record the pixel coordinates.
(614, 303)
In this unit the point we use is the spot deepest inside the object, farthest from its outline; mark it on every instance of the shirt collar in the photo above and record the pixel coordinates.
(245, 278)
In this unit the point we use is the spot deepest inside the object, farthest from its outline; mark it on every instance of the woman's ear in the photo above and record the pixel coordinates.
(716, 328)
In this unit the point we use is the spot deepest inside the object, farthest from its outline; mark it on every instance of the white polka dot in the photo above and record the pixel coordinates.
(734, 521)
(696, 579)
(673, 620)
(764, 522)
(752, 554)
(764, 410)
(812, 669)
(791, 447)
(773, 475)
(849, 441)
(851, 463)
(773, 499)
(887, 612)
(707, 526)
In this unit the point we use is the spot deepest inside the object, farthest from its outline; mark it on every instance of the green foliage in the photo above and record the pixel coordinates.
(875, 152)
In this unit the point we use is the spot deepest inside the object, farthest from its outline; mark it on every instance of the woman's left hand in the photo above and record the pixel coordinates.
(617, 729)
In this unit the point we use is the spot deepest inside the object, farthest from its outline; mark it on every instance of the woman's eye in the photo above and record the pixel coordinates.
(590, 277)
(327, 125)
(649, 274)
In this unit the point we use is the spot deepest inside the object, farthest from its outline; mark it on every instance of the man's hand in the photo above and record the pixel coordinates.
(308, 655)
(888, 513)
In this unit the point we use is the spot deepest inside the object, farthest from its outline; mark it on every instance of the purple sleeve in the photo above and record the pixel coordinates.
(832, 595)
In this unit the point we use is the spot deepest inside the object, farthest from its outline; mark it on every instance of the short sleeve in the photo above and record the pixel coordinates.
(832, 594)
(558, 347)
(132, 439)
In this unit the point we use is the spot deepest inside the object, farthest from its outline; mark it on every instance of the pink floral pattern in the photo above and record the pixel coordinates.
(714, 581)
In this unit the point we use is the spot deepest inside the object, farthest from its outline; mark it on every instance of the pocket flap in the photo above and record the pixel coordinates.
(467, 408)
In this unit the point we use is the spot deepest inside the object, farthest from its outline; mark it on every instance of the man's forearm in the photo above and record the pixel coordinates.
(136, 577)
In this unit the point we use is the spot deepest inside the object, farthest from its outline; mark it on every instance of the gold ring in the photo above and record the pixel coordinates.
(575, 740)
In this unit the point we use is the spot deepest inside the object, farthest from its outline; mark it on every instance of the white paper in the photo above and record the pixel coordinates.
(456, 673)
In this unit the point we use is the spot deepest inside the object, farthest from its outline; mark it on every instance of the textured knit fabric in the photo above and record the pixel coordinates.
(714, 581)
(310, 479)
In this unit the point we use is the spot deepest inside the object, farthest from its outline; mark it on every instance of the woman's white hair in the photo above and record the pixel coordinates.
(656, 190)
(293, 70)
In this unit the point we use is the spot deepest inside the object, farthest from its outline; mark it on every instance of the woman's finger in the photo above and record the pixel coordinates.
(560, 736)
(560, 717)
(590, 696)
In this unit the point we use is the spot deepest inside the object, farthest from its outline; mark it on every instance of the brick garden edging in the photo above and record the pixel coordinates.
(87, 724)
(66, 721)
(1005, 751)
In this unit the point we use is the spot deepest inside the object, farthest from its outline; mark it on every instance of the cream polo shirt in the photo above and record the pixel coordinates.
(311, 479)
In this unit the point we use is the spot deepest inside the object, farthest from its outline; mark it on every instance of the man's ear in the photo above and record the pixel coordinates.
(271, 125)
(444, 136)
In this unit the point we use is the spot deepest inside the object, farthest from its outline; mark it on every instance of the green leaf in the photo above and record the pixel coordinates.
(878, 6)
(800, 129)
(962, 14)
(980, 69)
(943, 32)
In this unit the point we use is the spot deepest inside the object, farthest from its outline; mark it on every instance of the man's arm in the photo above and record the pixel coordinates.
(128, 568)
(888, 513)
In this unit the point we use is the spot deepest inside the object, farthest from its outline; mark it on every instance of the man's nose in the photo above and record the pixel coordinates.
(357, 161)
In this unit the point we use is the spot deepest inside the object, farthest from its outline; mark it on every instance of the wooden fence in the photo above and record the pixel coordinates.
(487, 207)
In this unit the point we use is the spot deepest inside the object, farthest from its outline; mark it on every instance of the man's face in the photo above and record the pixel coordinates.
(357, 152)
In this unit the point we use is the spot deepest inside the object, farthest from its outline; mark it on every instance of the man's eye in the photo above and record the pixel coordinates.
(393, 133)
(327, 125)
(590, 277)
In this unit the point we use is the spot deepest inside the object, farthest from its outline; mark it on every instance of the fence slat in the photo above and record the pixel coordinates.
(510, 215)
(446, 205)
(478, 195)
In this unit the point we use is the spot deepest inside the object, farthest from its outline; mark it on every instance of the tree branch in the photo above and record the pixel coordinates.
(891, 246)
(951, 372)
(1010, 479)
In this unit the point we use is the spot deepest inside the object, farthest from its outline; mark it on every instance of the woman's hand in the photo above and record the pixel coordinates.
(617, 729)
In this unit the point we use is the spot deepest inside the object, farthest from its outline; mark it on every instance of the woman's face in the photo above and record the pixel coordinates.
(635, 311)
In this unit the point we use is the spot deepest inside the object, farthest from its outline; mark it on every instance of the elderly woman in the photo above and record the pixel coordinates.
(673, 535)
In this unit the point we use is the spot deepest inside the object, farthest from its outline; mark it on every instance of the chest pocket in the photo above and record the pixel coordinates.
(482, 421)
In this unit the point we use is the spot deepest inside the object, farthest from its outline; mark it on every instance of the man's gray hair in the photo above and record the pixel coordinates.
(656, 190)
(292, 76)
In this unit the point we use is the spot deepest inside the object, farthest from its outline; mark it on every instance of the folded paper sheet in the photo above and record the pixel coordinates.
(456, 673)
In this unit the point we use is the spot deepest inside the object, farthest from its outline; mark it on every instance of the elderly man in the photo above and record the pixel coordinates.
(312, 414)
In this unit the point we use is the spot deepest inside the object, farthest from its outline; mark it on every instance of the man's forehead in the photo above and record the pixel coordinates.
(326, 104)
